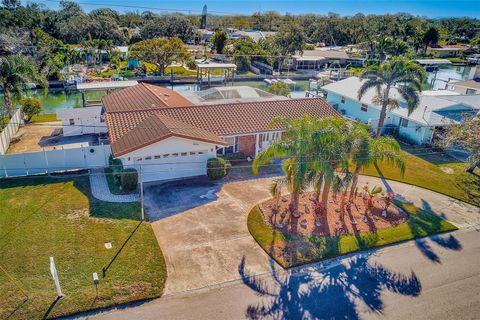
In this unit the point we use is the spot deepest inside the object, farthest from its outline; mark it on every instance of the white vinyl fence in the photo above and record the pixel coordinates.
(30, 163)
(10, 130)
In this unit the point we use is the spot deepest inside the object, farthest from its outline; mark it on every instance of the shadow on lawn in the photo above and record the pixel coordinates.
(419, 226)
(317, 292)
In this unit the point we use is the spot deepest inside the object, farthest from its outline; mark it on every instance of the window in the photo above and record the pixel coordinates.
(71, 121)
(139, 159)
(184, 154)
(166, 155)
(174, 154)
(403, 122)
(192, 153)
(364, 107)
(156, 157)
(148, 158)
(471, 91)
(200, 152)
(343, 99)
(102, 119)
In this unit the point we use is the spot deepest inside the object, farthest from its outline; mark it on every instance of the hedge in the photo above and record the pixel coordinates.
(129, 179)
(216, 168)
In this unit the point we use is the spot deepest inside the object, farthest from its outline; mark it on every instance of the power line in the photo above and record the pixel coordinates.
(98, 4)
(191, 162)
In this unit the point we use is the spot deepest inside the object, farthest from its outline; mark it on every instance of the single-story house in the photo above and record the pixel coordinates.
(466, 87)
(316, 59)
(165, 136)
(448, 51)
(437, 109)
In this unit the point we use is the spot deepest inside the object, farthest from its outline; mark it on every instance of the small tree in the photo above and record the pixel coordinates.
(219, 41)
(160, 51)
(465, 135)
(279, 88)
(31, 107)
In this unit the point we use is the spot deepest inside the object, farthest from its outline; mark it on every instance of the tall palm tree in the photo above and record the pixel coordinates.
(367, 150)
(329, 151)
(15, 73)
(296, 147)
(400, 75)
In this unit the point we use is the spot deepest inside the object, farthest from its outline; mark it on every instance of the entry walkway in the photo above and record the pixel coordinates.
(100, 190)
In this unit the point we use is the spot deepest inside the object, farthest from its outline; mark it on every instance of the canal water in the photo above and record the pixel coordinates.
(58, 98)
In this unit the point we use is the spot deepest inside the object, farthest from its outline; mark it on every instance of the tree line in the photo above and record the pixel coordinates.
(72, 25)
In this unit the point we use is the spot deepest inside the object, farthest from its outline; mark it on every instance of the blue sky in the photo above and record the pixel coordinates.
(430, 8)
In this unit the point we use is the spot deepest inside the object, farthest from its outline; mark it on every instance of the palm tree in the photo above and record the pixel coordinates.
(367, 150)
(399, 74)
(329, 152)
(15, 73)
(296, 148)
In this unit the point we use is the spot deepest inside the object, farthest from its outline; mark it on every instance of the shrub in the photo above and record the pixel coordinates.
(216, 168)
(191, 64)
(129, 179)
(116, 167)
(279, 88)
(31, 107)
(236, 157)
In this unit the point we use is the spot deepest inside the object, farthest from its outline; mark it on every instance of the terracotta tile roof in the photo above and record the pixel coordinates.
(224, 119)
(157, 127)
(143, 96)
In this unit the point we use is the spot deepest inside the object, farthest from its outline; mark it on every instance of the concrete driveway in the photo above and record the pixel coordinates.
(204, 240)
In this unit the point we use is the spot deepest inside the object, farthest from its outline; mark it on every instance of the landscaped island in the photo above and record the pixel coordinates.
(310, 236)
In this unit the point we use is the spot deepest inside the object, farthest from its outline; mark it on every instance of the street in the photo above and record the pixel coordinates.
(434, 278)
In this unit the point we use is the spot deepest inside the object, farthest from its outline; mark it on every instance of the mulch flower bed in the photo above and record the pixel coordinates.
(338, 220)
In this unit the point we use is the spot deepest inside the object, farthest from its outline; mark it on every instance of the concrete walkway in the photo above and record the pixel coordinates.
(100, 190)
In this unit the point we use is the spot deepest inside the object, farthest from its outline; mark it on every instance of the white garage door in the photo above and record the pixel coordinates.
(172, 166)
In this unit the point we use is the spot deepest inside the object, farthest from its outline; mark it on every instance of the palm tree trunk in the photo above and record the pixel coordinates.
(472, 167)
(7, 97)
(383, 112)
(326, 191)
(293, 206)
(356, 172)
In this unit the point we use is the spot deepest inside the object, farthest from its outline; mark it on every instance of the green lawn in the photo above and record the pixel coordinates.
(303, 250)
(43, 217)
(49, 117)
(424, 169)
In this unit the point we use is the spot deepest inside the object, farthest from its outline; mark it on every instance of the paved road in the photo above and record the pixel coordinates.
(398, 282)
(439, 276)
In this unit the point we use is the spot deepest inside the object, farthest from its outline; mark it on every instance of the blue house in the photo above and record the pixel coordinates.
(436, 110)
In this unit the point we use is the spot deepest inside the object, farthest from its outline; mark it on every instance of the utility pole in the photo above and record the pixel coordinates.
(141, 194)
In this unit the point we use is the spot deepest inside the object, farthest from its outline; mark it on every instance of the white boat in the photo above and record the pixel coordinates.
(289, 82)
(268, 81)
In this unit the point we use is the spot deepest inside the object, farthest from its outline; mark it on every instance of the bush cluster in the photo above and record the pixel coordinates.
(216, 168)
(126, 178)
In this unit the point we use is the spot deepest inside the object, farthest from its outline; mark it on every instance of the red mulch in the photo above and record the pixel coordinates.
(336, 221)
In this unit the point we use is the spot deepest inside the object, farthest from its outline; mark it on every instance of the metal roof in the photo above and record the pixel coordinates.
(432, 61)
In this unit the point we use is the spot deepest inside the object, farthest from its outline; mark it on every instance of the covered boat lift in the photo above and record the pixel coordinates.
(107, 86)
(204, 70)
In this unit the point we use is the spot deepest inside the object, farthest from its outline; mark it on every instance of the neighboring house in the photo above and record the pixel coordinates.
(254, 34)
(318, 58)
(450, 51)
(466, 87)
(164, 136)
(80, 121)
(437, 109)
